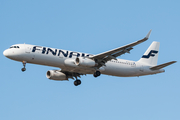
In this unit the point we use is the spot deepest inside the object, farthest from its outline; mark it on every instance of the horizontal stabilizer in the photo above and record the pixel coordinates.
(162, 65)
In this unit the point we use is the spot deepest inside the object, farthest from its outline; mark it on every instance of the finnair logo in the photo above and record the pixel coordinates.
(60, 53)
(151, 53)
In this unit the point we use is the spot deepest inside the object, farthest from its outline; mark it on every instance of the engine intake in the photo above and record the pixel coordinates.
(85, 62)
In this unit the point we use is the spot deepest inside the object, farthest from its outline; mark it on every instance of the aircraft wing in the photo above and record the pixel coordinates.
(102, 58)
(72, 75)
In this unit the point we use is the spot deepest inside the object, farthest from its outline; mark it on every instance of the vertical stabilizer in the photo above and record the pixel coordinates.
(151, 55)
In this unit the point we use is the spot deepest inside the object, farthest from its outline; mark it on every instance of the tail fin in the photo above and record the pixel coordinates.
(151, 55)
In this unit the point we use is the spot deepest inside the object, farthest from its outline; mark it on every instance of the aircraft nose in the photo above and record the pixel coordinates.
(5, 53)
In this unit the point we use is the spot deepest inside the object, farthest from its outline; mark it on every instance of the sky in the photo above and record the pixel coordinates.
(89, 26)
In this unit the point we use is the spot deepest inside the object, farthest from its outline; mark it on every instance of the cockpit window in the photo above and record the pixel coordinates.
(14, 47)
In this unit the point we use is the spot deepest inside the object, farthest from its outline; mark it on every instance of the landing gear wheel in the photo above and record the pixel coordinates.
(24, 64)
(77, 82)
(97, 73)
(23, 69)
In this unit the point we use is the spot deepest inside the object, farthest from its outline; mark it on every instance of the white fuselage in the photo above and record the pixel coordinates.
(58, 58)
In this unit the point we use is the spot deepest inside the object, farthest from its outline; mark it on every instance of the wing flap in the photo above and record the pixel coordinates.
(162, 65)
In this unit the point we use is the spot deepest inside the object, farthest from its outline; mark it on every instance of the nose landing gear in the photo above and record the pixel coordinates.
(24, 64)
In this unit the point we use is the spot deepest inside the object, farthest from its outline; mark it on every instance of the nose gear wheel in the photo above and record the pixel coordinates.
(24, 64)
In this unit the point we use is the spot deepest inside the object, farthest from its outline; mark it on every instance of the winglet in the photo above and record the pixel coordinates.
(147, 36)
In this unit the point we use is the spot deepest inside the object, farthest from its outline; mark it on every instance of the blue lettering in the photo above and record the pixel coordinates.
(44, 50)
(53, 52)
(65, 54)
(74, 54)
(82, 55)
(35, 48)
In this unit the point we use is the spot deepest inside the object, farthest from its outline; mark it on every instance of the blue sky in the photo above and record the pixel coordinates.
(92, 27)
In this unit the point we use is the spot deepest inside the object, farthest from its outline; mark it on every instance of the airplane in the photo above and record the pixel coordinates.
(75, 64)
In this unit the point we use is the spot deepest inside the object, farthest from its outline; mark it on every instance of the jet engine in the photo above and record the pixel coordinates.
(56, 75)
(85, 62)
(70, 62)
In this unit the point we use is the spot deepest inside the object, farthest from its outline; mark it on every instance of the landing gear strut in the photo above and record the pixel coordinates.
(97, 73)
(77, 82)
(24, 64)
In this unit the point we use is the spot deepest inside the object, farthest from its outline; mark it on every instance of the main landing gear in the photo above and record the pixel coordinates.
(24, 64)
(77, 82)
(97, 73)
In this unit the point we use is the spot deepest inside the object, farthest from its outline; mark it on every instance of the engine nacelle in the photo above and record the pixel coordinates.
(85, 62)
(70, 62)
(56, 75)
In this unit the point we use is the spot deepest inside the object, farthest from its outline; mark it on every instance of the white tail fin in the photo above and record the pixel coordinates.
(151, 55)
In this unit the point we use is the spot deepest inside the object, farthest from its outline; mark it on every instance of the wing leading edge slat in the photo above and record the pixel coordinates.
(112, 54)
